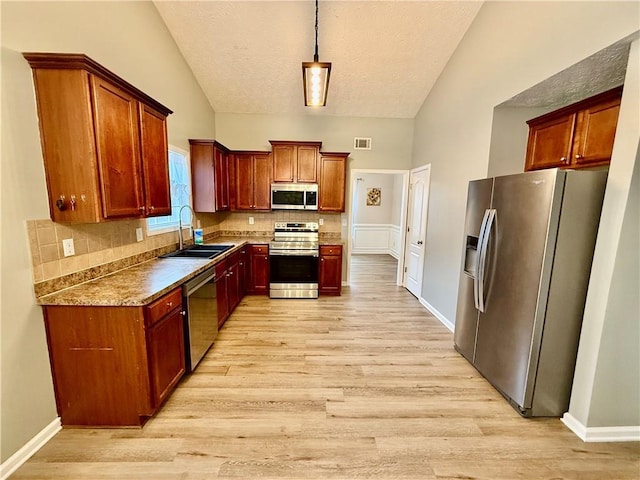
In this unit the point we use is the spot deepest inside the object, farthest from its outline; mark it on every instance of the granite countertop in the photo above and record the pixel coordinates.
(143, 283)
(140, 284)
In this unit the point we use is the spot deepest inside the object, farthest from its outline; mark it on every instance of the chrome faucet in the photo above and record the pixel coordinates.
(180, 240)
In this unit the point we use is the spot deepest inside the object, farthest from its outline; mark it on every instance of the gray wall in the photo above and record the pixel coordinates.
(510, 47)
(130, 39)
(381, 214)
(617, 382)
(390, 146)
(607, 357)
(509, 134)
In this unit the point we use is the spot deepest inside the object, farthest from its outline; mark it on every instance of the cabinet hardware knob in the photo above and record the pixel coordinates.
(419, 242)
(170, 304)
(60, 203)
(563, 159)
(578, 156)
(322, 259)
(141, 208)
(152, 208)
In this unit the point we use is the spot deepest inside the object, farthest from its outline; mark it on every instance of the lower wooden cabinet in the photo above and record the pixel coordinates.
(229, 285)
(258, 270)
(165, 355)
(330, 270)
(114, 366)
(222, 294)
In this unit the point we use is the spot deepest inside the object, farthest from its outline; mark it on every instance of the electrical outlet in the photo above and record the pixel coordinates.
(67, 247)
(251, 221)
(139, 236)
(321, 221)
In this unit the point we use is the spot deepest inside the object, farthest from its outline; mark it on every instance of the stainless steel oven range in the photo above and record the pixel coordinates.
(293, 260)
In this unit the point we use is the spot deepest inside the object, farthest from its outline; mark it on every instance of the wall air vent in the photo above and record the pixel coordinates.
(361, 143)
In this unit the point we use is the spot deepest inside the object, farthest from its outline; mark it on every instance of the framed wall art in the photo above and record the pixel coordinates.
(373, 197)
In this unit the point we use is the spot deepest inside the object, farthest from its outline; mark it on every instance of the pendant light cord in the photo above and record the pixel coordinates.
(315, 55)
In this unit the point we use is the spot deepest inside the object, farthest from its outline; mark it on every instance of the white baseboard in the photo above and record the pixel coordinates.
(437, 314)
(29, 449)
(601, 434)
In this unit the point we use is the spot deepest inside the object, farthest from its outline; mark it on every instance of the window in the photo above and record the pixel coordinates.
(180, 183)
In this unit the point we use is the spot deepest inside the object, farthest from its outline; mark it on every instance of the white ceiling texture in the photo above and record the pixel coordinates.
(385, 55)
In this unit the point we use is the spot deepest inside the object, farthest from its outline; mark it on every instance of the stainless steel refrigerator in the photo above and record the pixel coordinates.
(528, 247)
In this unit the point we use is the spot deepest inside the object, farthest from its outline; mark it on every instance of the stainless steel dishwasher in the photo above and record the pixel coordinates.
(201, 316)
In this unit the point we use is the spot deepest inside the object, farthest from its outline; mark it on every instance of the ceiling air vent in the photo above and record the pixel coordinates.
(361, 143)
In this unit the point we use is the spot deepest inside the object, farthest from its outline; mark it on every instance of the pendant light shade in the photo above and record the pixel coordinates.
(315, 77)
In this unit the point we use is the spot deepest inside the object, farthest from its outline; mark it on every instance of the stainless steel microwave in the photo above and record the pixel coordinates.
(294, 196)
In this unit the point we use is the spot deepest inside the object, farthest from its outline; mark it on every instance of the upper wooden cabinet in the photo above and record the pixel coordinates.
(104, 142)
(576, 136)
(209, 176)
(295, 162)
(332, 176)
(250, 180)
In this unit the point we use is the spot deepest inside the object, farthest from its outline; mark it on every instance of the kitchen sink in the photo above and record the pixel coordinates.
(198, 251)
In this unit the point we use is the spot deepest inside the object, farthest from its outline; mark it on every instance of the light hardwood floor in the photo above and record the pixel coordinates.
(366, 385)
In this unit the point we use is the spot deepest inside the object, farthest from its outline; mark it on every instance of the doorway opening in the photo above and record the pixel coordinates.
(377, 220)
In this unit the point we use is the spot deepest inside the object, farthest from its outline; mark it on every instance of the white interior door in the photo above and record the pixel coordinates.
(416, 229)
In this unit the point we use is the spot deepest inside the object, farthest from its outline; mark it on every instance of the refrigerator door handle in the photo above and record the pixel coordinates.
(476, 296)
(482, 262)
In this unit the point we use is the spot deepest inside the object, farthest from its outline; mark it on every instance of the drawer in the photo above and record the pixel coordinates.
(164, 305)
(330, 249)
(260, 249)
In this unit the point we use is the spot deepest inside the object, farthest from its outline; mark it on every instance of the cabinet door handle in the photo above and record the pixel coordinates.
(322, 259)
(563, 159)
(578, 156)
(141, 208)
(152, 208)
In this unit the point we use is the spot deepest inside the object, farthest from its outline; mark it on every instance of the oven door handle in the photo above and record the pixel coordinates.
(292, 253)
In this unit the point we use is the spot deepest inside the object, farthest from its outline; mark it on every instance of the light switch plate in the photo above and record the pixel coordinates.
(139, 236)
(67, 247)
(251, 221)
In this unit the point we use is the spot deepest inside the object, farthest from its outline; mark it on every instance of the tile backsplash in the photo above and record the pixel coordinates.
(104, 247)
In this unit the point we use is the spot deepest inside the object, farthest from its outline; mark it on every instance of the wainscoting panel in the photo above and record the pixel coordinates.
(376, 238)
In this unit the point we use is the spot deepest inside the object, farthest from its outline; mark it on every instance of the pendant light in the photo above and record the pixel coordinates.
(315, 77)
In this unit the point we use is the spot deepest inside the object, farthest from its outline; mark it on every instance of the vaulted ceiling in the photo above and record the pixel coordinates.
(385, 55)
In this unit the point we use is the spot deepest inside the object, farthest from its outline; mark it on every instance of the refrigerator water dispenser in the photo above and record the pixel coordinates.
(471, 256)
